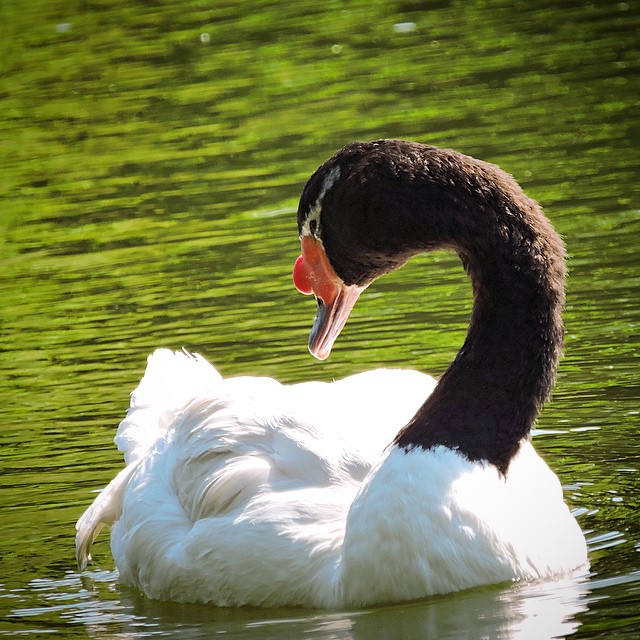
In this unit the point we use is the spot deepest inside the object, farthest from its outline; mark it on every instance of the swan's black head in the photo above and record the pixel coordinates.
(358, 206)
(353, 228)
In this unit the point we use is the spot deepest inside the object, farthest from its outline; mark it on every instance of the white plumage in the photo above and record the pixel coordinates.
(246, 491)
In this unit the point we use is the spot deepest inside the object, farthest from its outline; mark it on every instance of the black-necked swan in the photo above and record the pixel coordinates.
(247, 492)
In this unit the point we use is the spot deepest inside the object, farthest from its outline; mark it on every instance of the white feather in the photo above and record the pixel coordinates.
(452, 524)
(245, 491)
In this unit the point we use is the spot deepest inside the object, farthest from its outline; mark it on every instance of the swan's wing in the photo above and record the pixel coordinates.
(212, 446)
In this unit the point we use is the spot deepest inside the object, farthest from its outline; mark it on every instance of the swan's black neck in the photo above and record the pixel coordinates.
(489, 397)
(394, 199)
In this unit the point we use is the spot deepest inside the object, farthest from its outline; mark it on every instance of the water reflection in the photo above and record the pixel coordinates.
(527, 611)
(541, 610)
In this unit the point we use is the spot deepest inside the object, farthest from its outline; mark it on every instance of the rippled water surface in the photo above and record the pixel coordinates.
(152, 157)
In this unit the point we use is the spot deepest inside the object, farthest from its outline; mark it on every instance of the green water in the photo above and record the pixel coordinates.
(152, 157)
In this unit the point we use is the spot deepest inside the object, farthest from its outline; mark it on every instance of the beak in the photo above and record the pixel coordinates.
(313, 273)
(330, 319)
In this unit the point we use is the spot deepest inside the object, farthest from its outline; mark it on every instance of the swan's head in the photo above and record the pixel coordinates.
(346, 242)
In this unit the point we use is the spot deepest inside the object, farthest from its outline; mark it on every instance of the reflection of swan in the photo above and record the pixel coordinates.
(246, 492)
(528, 611)
(531, 611)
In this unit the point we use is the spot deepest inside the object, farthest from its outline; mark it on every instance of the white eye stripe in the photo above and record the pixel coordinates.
(314, 211)
(313, 217)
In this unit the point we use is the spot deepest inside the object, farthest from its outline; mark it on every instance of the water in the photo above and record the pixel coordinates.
(151, 163)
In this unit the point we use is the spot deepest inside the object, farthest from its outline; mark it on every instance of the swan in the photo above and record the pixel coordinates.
(382, 487)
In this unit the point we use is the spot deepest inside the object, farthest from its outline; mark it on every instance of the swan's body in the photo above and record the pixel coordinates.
(237, 491)
(245, 491)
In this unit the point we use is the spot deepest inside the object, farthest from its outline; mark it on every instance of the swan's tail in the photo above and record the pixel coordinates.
(171, 380)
